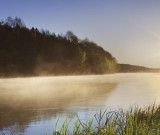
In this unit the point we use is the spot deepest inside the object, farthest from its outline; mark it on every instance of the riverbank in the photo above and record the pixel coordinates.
(136, 121)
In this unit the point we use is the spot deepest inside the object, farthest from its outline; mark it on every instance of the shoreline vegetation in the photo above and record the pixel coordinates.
(136, 121)
(26, 52)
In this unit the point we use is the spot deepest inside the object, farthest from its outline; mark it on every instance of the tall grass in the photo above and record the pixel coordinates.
(136, 121)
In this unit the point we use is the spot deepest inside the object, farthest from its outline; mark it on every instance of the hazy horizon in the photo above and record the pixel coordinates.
(129, 30)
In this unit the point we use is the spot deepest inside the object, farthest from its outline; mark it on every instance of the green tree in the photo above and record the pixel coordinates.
(71, 37)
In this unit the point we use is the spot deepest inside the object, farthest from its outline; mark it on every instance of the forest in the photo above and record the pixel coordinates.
(32, 52)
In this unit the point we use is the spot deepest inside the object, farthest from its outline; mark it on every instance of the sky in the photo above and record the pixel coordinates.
(128, 29)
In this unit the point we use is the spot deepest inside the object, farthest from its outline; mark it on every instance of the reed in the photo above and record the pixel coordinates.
(136, 121)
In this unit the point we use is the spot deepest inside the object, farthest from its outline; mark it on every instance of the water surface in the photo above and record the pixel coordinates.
(31, 105)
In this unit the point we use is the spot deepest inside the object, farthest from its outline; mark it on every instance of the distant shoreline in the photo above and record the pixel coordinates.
(151, 70)
(127, 68)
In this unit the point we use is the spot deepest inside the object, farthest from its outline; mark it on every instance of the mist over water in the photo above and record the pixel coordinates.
(33, 104)
(52, 92)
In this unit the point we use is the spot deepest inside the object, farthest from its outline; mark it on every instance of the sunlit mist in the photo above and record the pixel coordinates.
(53, 92)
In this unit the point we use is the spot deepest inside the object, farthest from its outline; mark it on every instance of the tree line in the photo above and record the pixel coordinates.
(31, 52)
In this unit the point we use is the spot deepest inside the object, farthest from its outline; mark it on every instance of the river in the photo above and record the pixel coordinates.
(33, 105)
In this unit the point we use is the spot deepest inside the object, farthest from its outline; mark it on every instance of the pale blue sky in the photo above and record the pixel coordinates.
(128, 29)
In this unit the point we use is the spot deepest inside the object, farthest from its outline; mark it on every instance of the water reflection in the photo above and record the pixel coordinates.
(38, 99)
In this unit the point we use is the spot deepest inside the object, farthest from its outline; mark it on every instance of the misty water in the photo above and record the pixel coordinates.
(33, 105)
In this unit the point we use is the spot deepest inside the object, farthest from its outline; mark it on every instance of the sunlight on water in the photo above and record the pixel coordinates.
(137, 89)
(32, 104)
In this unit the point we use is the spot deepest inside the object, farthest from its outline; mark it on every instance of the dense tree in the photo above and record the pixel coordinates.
(16, 22)
(26, 52)
(71, 37)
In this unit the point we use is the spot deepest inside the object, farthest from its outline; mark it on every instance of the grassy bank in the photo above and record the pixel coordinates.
(136, 121)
